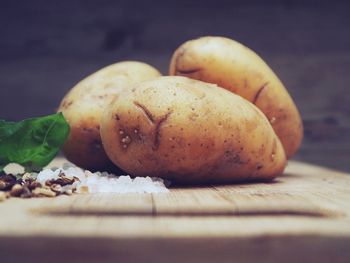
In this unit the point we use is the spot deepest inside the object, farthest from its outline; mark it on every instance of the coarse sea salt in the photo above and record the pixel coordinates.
(103, 182)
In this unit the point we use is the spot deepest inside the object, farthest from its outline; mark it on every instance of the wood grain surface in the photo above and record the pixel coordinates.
(303, 216)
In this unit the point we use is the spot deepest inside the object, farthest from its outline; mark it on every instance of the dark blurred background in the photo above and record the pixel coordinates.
(48, 46)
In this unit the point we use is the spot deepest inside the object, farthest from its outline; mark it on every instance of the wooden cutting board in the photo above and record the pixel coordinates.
(303, 216)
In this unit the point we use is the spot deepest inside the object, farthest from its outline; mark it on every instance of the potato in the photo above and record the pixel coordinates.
(190, 131)
(236, 68)
(83, 106)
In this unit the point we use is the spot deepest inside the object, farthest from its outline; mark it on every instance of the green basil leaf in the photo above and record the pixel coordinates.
(32, 143)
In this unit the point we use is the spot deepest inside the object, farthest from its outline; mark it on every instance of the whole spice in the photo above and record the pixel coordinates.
(69, 180)
(61, 180)
(2, 196)
(56, 188)
(43, 191)
(7, 181)
(26, 192)
(27, 177)
(16, 190)
(33, 184)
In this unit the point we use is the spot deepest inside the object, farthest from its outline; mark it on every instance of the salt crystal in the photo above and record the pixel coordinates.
(104, 174)
(47, 174)
(74, 172)
(14, 168)
(124, 179)
(103, 182)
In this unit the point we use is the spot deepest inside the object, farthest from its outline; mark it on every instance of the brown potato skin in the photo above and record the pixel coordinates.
(231, 65)
(84, 104)
(189, 131)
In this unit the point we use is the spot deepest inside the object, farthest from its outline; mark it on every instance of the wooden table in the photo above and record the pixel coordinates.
(304, 216)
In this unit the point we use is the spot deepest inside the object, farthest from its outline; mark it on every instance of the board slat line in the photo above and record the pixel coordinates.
(209, 202)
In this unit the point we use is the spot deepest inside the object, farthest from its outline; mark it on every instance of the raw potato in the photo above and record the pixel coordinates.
(189, 131)
(236, 68)
(83, 105)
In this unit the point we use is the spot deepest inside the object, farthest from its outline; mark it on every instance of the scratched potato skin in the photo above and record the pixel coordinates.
(189, 131)
(236, 68)
(84, 104)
